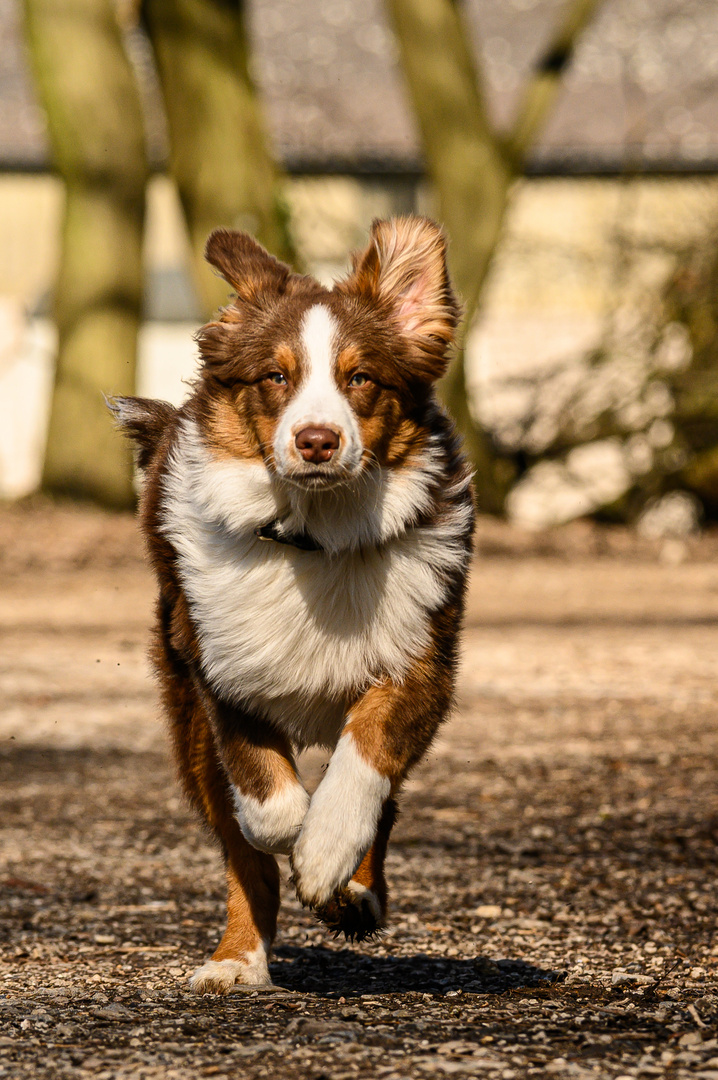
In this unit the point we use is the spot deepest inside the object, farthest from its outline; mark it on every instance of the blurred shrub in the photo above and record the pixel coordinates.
(645, 400)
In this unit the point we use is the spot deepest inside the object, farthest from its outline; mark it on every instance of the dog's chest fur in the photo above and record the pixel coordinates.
(296, 635)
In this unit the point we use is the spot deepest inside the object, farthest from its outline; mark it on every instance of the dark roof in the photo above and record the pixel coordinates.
(642, 90)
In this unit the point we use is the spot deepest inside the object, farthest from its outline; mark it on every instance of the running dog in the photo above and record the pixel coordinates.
(308, 514)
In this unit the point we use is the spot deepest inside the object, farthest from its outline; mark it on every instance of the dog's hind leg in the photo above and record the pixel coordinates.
(359, 909)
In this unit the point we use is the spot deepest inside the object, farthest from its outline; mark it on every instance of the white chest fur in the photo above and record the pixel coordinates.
(295, 634)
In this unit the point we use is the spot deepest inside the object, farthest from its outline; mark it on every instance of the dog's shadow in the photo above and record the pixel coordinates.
(317, 969)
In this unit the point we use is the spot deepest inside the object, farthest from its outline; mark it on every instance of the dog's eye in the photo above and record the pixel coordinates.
(277, 378)
(360, 379)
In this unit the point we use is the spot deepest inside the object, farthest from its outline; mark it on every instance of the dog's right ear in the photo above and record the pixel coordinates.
(143, 420)
(249, 269)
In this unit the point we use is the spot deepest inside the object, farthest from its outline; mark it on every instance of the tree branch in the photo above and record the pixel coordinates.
(544, 84)
(219, 154)
(464, 156)
(440, 70)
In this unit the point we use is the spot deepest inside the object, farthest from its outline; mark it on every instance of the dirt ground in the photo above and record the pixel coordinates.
(553, 869)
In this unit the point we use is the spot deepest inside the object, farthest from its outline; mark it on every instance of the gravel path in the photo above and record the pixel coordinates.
(552, 871)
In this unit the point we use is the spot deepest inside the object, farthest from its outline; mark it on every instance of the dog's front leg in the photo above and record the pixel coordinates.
(241, 775)
(386, 732)
(269, 800)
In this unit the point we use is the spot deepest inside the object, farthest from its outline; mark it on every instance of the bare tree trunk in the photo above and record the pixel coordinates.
(219, 154)
(470, 175)
(472, 167)
(96, 133)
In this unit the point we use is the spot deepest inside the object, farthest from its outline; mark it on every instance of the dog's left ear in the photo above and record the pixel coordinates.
(403, 270)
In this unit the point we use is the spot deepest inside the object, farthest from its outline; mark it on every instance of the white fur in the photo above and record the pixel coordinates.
(319, 402)
(369, 510)
(360, 894)
(340, 825)
(297, 634)
(272, 825)
(219, 976)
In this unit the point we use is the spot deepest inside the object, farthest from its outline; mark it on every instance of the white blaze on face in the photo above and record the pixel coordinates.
(319, 402)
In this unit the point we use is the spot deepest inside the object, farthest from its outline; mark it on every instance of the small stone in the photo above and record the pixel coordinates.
(488, 911)
(113, 1012)
(691, 1038)
(621, 978)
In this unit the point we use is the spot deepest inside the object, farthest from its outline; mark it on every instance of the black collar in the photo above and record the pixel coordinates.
(297, 540)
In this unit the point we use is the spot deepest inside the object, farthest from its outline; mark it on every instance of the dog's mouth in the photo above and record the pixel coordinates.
(321, 478)
(318, 481)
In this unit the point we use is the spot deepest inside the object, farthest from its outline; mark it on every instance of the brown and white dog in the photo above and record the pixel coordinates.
(309, 518)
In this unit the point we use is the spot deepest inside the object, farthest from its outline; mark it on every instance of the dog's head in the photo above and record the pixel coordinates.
(320, 383)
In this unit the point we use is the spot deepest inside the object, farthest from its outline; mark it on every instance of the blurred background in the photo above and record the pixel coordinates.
(565, 823)
(570, 149)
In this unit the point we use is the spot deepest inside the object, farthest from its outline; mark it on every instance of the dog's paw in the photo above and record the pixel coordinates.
(354, 911)
(273, 825)
(340, 825)
(219, 976)
(216, 976)
(323, 860)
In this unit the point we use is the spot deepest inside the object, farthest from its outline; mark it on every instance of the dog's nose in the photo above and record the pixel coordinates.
(316, 444)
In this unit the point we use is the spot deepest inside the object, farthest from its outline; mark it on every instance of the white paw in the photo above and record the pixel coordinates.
(340, 825)
(219, 976)
(273, 825)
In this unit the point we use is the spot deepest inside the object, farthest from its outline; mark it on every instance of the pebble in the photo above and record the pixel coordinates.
(487, 911)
